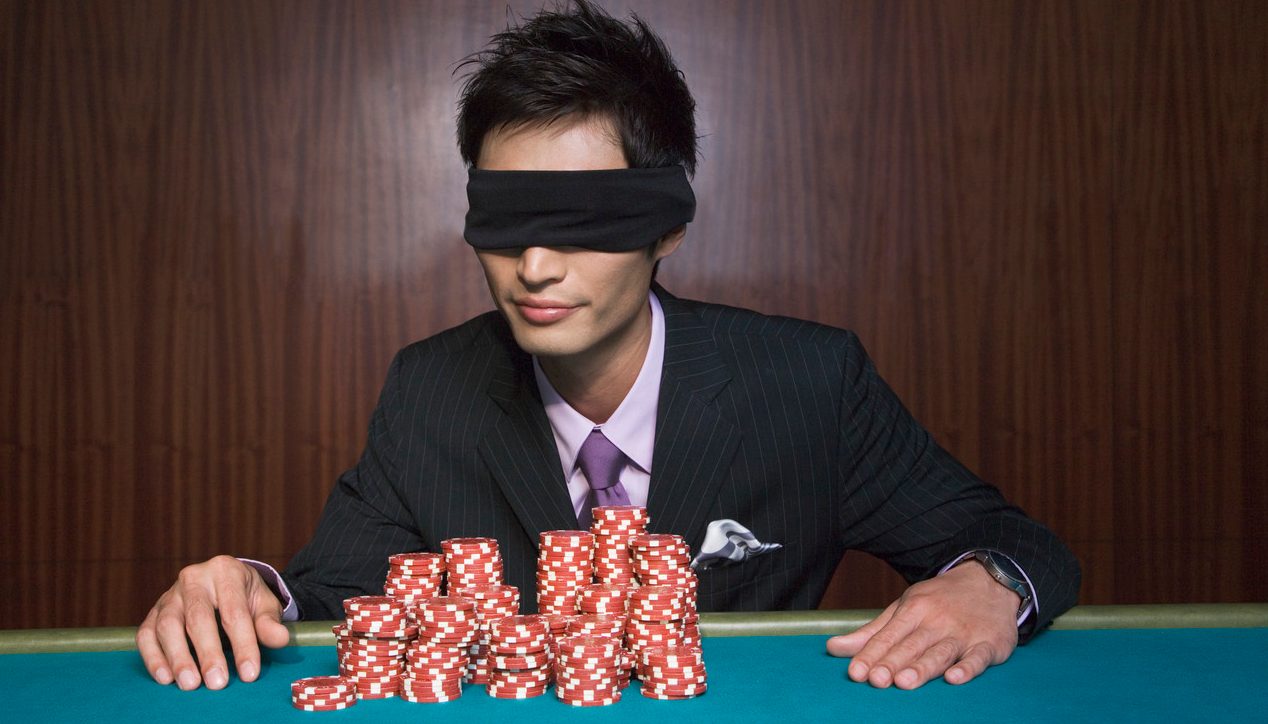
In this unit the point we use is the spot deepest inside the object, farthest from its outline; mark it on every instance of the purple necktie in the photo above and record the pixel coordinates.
(601, 462)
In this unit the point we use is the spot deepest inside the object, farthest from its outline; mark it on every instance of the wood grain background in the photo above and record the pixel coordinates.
(219, 220)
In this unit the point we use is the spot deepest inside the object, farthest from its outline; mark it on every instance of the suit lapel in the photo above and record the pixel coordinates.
(694, 441)
(520, 449)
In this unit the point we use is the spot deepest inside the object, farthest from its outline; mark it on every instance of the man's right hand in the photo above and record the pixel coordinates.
(249, 611)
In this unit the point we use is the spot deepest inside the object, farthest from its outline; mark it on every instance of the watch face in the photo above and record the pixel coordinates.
(1005, 566)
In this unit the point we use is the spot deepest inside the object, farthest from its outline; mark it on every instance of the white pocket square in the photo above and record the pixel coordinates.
(727, 543)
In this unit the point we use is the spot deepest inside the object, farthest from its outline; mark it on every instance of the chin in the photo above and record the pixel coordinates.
(545, 342)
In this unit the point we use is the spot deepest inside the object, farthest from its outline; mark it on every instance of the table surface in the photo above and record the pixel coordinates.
(1093, 674)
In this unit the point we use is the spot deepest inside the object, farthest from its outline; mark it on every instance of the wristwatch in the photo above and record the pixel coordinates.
(1007, 574)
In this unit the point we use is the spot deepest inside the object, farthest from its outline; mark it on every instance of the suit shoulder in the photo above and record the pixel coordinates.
(481, 337)
(737, 325)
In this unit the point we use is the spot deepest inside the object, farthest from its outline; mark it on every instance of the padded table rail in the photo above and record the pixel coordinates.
(769, 623)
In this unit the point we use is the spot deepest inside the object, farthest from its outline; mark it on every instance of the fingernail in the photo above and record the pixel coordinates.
(163, 676)
(246, 671)
(215, 678)
(187, 680)
(858, 671)
(880, 675)
(906, 677)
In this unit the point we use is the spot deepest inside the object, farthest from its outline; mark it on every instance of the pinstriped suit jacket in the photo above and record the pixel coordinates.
(780, 424)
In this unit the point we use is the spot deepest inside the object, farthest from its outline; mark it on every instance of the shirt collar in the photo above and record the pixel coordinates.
(632, 427)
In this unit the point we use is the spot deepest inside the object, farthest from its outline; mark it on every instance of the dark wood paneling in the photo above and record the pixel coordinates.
(1190, 213)
(218, 221)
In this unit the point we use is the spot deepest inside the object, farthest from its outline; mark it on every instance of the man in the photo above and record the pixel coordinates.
(580, 135)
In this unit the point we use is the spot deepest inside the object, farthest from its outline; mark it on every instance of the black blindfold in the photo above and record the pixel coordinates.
(612, 210)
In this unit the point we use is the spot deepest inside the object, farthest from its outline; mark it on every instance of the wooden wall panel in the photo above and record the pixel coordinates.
(219, 220)
(1190, 213)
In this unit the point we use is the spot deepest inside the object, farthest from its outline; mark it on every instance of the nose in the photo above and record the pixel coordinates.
(539, 266)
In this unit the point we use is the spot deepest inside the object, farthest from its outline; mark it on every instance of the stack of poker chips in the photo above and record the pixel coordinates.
(378, 632)
(471, 562)
(613, 528)
(604, 598)
(588, 671)
(665, 560)
(436, 661)
(412, 577)
(323, 693)
(672, 672)
(492, 603)
(656, 618)
(557, 628)
(519, 647)
(606, 625)
(564, 565)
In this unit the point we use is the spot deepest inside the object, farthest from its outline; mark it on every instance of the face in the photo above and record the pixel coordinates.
(567, 302)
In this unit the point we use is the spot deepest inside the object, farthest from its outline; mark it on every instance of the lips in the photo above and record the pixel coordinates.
(543, 311)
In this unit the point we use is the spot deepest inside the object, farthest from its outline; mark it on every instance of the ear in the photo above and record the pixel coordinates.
(669, 243)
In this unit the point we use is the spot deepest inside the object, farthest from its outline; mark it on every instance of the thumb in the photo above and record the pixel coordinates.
(268, 625)
(849, 644)
(853, 642)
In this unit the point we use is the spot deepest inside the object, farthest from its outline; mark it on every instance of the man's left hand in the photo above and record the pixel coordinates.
(954, 626)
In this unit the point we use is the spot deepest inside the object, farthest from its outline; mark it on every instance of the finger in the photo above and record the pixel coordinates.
(971, 665)
(238, 621)
(902, 655)
(865, 666)
(200, 624)
(151, 653)
(931, 663)
(850, 644)
(171, 637)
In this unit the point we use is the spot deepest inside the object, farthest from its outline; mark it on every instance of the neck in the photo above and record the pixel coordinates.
(597, 381)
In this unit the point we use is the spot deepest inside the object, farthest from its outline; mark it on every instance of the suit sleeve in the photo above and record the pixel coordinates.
(911, 503)
(364, 520)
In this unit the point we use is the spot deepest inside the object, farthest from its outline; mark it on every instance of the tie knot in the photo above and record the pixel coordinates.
(600, 461)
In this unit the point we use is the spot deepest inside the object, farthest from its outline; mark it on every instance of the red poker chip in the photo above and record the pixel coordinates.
(568, 683)
(667, 697)
(504, 679)
(672, 663)
(434, 671)
(451, 657)
(432, 685)
(447, 618)
(422, 687)
(429, 686)
(520, 662)
(430, 699)
(325, 698)
(673, 679)
(587, 671)
(439, 604)
(525, 624)
(514, 694)
(427, 696)
(691, 690)
(370, 603)
(323, 707)
(533, 639)
(534, 650)
(596, 702)
(314, 684)
(584, 688)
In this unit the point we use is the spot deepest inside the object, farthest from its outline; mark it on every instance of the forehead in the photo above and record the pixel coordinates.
(584, 145)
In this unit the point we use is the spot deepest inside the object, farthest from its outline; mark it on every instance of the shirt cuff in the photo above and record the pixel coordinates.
(1031, 608)
(290, 609)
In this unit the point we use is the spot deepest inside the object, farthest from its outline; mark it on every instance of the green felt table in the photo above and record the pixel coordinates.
(1148, 663)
